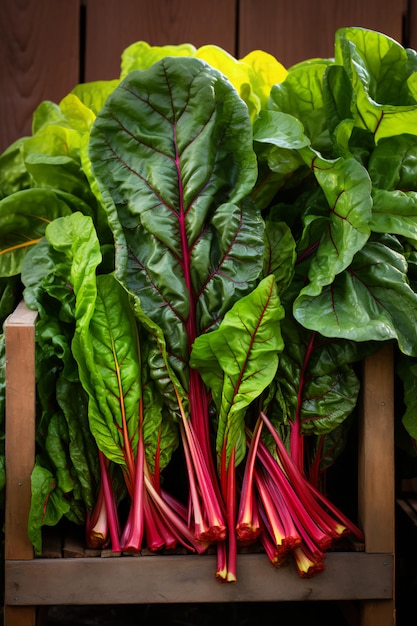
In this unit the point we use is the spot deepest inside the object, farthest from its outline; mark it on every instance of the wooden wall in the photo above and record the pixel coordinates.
(48, 46)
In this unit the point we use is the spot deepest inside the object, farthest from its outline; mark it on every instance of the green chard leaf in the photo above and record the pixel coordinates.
(24, 217)
(172, 154)
(370, 301)
(107, 352)
(239, 360)
(379, 69)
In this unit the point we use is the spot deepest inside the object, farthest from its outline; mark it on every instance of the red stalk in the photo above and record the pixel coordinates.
(231, 517)
(247, 527)
(298, 502)
(221, 571)
(212, 512)
(307, 565)
(296, 438)
(97, 527)
(133, 534)
(283, 509)
(155, 536)
(110, 502)
(277, 554)
(198, 397)
(177, 525)
(272, 515)
(311, 495)
(200, 527)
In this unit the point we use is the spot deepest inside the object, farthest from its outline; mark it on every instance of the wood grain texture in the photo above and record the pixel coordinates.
(20, 429)
(19, 616)
(110, 28)
(295, 31)
(176, 579)
(39, 59)
(376, 452)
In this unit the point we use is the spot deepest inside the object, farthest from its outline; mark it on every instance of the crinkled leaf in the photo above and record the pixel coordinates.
(279, 255)
(107, 352)
(172, 154)
(393, 163)
(56, 445)
(24, 217)
(253, 76)
(266, 72)
(280, 129)
(75, 237)
(52, 158)
(370, 301)
(378, 68)
(82, 448)
(141, 55)
(94, 94)
(343, 222)
(301, 95)
(239, 359)
(316, 384)
(48, 504)
(395, 212)
(277, 137)
(13, 173)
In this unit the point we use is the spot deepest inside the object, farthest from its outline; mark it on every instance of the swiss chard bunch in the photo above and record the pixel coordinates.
(212, 245)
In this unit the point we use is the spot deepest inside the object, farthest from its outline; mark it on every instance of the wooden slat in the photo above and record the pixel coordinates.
(19, 616)
(378, 613)
(377, 471)
(39, 59)
(295, 31)
(20, 445)
(111, 27)
(20, 429)
(376, 453)
(176, 579)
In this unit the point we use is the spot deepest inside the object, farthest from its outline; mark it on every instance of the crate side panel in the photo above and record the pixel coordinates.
(176, 579)
(20, 429)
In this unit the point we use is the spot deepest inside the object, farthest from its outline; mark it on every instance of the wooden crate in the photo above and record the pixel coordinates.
(73, 41)
(366, 577)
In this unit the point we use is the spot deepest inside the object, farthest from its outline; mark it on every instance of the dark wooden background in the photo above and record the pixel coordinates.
(48, 46)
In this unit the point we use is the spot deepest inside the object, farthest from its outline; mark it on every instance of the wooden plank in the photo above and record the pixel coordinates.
(295, 31)
(111, 27)
(20, 429)
(39, 59)
(378, 613)
(376, 452)
(19, 616)
(176, 579)
(376, 483)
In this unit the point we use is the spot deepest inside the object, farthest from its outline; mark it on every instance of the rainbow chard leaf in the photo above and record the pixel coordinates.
(316, 386)
(24, 217)
(371, 301)
(239, 360)
(172, 154)
(110, 372)
(382, 78)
